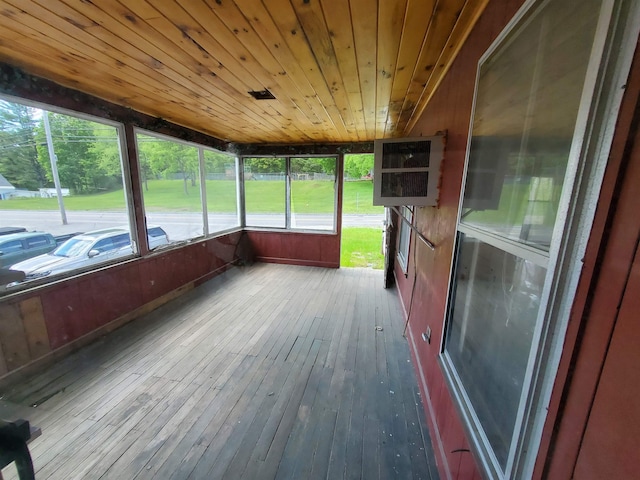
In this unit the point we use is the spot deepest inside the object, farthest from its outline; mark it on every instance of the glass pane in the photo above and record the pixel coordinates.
(408, 184)
(405, 236)
(222, 198)
(171, 187)
(34, 144)
(526, 108)
(406, 154)
(313, 196)
(494, 310)
(265, 192)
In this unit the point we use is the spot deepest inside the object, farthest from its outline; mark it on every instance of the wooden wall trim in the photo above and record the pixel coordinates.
(296, 261)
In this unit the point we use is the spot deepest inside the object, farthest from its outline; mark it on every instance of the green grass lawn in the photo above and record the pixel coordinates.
(362, 247)
(262, 197)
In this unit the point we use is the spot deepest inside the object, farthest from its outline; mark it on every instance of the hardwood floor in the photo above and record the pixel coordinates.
(268, 371)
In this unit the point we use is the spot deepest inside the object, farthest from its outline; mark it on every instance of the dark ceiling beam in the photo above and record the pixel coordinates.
(280, 150)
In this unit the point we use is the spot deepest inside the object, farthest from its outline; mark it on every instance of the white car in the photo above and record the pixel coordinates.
(87, 249)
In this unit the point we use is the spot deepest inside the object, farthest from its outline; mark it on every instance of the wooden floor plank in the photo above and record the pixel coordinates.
(269, 371)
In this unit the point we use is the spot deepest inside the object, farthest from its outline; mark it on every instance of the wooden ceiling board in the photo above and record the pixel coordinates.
(163, 32)
(364, 19)
(338, 18)
(413, 37)
(285, 18)
(347, 71)
(443, 20)
(262, 23)
(268, 71)
(311, 18)
(109, 67)
(390, 16)
(465, 21)
(198, 92)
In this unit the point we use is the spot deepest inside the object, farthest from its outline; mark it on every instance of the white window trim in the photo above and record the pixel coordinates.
(288, 213)
(405, 223)
(202, 173)
(604, 88)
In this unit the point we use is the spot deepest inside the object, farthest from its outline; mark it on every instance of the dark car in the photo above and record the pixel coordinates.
(17, 247)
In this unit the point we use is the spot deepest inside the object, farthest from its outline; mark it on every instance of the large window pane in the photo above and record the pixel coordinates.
(222, 194)
(265, 192)
(495, 307)
(528, 99)
(47, 221)
(313, 195)
(171, 186)
(404, 240)
(526, 110)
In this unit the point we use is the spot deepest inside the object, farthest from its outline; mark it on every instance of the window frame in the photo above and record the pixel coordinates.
(405, 226)
(592, 138)
(288, 211)
(126, 185)
(202, 187)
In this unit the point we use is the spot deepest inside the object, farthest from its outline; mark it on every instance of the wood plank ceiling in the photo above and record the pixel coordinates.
(340, 70)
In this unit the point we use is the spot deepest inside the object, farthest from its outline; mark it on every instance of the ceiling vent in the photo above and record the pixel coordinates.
(262, 95)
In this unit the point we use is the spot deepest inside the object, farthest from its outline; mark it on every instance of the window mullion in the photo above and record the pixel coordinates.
(288, 193)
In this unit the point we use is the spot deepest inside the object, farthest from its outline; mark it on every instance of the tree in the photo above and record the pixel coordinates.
(104, 147)
(166, 158)
(72, 138)
(357, 166)
(265, 165)
(18, 154)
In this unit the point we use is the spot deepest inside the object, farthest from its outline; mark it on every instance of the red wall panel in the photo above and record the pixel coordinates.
(449, 110)
(78, 306)
(609, 447)
(313, 249)
(593, 316)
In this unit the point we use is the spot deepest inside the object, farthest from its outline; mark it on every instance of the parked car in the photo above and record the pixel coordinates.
(87, 249)
(16, 247)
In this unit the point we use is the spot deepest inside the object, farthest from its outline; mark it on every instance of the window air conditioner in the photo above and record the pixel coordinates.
(407, 171)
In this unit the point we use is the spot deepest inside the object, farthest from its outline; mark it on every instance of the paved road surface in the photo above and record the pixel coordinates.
(177, 225)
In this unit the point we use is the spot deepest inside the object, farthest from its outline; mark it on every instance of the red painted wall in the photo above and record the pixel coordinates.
(586, 411)
(450, 110)
(609, 254)
(313, 249)
(80, 305)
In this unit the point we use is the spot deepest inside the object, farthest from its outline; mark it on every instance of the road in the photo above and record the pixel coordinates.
(179, 226)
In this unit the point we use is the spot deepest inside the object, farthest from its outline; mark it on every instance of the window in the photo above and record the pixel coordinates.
(404, 237)
(313, 193)
(293, 193)
(38, 241)
(189, 191)
(221, 191)
(13, 246)
(171, 186)
(265, 192)
(62, 175)
(529, 108)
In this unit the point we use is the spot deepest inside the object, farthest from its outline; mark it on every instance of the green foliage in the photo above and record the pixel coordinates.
(166, 158)
(218, 162)
(361, 247)
(264, 165)
(80, 166)
(357, 166)
(18, 156)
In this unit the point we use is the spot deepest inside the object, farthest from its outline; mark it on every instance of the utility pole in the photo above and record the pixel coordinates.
(54, 166)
